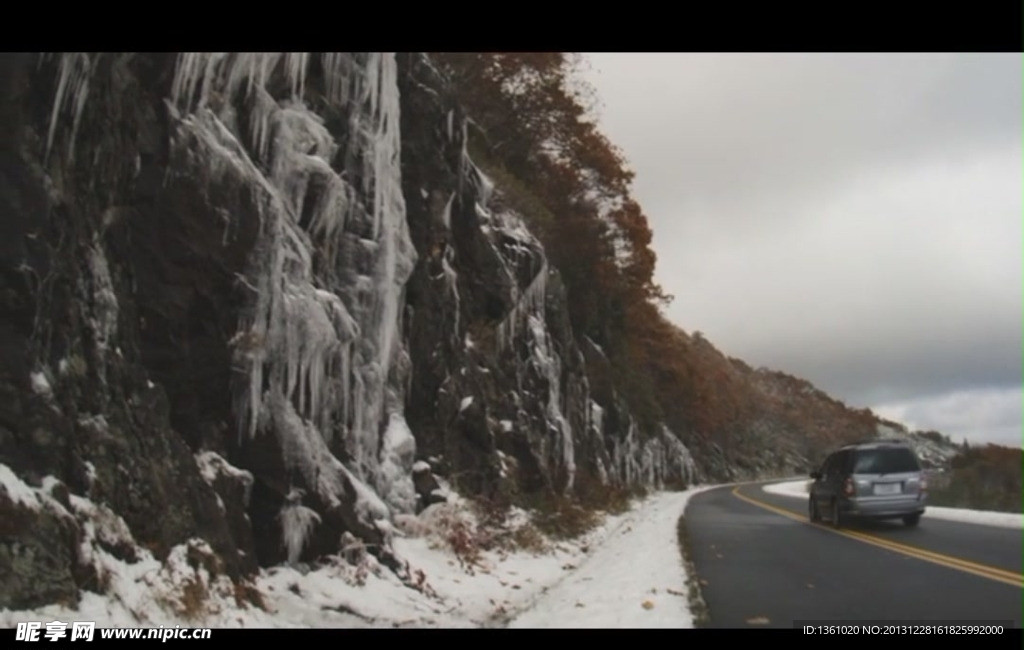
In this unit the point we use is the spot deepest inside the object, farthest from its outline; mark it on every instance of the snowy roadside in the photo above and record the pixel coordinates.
(612, 571)
(636, 579)
(798, 489)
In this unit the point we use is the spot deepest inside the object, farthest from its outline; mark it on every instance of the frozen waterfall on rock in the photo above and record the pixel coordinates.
(319, 347)
(284, 175)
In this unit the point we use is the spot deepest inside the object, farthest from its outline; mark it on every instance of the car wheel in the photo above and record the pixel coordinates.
(837, 515)
(912, 520)
(812, 508)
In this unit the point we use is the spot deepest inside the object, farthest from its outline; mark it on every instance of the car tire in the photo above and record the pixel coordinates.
(912, 520)
(837, 515)
(812, 509)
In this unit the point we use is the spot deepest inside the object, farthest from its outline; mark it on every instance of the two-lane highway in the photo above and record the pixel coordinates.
(761, 563)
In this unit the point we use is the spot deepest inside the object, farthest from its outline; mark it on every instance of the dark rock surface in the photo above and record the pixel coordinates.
(38, 549)
(72, 314)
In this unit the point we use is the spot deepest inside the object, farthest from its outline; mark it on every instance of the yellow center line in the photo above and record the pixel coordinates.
(992, 573)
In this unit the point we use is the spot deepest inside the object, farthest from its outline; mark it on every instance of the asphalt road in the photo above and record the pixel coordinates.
(762, 564)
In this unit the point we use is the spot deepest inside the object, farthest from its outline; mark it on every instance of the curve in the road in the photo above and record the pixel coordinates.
(759, 562)
(985, 571)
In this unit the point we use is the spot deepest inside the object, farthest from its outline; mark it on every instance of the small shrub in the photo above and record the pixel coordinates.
(193, 598)
(528, 538)
(492, 513)
(465, 542)
(459, 532)
(560, 517)
(613, 499)
(247, 594)
(500, 527)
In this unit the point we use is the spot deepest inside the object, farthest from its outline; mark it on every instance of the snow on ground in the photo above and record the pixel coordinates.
(15, 489)
(627, 571)
(798, 489)
(636, 579)
(788, 488)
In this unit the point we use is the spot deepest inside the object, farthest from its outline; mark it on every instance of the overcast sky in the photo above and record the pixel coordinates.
(852, 219)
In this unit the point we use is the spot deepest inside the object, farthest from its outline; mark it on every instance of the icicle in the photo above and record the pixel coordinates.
(198, 73)
(297, 523)
(104, 300)
(192, 69)
(530, 301)
(263, 108)
(302, 150)
(73, 74)
(452, 280)
(295, 70)
(446, 216)
(336, 73)
(320, 348)
(397, 455)
(547, 361)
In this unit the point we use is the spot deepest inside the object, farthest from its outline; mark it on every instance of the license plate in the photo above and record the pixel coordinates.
(887, 488)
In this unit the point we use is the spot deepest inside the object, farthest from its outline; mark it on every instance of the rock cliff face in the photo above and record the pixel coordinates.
(250, 298)
(499, 398)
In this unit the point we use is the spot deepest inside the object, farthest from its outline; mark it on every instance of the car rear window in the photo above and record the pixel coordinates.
(885, 461)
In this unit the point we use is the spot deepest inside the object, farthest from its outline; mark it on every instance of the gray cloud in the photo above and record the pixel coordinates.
(963, 415)
(853, 219)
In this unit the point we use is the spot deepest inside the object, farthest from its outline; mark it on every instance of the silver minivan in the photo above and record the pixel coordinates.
(878, 480)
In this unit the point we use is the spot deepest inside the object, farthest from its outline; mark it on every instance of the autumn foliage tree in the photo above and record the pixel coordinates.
(531, 116)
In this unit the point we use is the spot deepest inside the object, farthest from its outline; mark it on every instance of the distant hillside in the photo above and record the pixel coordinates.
(747, 422)
(985, 478)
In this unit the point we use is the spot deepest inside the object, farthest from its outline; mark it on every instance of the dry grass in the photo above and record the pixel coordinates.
(458, 531)
(247, 594)
(528, 538)
(194, 596)
(698, 607)
(612, 499)
(467, 542)
(561, 517)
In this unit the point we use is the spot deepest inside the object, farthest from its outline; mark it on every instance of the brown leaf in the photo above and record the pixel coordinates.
(647, 604)
(758, 620)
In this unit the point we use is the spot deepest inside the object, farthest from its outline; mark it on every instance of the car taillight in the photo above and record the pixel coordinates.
(924, 484)
(848, 489)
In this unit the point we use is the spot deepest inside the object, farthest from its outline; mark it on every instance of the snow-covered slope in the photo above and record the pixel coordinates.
(636, 579)
(589, 582)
